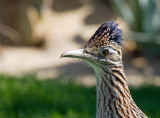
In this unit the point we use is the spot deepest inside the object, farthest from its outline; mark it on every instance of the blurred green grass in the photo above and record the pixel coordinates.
(28, 97)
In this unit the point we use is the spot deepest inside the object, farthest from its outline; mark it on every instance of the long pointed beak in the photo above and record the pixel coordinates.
(74, 54)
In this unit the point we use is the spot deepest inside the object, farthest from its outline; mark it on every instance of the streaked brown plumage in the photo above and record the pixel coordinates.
(103, 54)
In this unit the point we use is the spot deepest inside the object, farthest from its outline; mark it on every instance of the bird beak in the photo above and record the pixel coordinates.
(74, 54)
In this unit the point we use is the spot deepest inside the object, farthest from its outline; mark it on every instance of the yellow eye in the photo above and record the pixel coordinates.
(105, 52)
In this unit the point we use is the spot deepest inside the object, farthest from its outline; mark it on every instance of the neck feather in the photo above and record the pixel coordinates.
(113, 96)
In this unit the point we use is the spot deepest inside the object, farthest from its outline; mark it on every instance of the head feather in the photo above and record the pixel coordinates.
(106, 34)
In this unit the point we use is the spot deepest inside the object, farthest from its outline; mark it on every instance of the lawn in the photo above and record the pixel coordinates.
(28, 97)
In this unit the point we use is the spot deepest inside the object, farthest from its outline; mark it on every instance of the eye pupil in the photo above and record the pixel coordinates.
(105, 52)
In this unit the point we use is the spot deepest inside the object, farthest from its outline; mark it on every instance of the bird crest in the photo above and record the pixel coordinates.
(106, 35)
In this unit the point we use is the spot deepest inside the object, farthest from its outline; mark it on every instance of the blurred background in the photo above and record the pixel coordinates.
(36, 83)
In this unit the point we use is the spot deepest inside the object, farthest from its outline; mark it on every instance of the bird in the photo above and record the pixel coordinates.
(103, 53)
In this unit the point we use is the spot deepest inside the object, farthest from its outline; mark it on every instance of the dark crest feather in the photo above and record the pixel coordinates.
(108, 29)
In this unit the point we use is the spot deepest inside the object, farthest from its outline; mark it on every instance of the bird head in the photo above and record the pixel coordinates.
(103, 49)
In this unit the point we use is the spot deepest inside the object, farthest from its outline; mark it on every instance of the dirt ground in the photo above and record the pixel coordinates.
(67, 29)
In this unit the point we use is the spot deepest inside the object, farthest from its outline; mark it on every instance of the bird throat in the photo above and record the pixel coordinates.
(113, 96)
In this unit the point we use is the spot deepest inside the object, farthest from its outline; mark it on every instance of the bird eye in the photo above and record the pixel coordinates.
(105, 52)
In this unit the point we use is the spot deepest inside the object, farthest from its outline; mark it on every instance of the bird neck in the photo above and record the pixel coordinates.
(113, 96)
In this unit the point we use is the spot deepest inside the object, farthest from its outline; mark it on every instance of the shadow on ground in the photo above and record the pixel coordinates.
(102, 10)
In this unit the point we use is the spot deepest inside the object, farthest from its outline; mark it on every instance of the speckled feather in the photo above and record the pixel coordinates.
(106, 34)
(113, 96)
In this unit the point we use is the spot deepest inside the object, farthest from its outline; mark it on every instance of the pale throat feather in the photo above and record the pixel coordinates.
(113, 96)
(105, 100)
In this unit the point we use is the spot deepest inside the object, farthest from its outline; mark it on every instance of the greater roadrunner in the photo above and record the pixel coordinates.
(103, 54)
